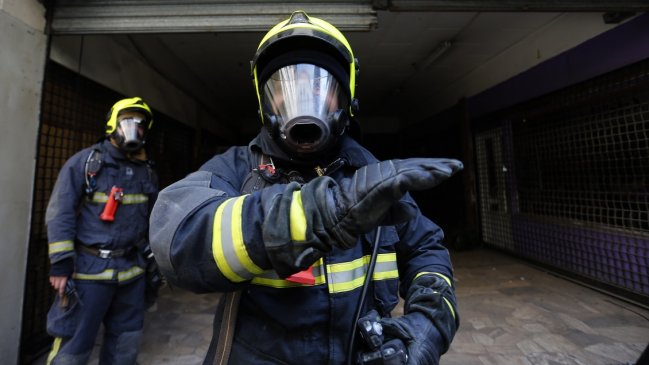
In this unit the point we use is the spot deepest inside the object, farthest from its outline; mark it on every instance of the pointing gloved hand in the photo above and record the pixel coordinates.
(304, 223)
(371, 196)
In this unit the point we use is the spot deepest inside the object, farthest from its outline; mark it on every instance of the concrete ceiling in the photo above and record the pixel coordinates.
(485, 48)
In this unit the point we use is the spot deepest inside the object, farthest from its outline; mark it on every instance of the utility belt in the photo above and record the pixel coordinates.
(105, 254)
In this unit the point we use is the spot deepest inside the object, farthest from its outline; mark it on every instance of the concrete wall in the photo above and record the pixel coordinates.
(565, 32)
(104, 60)
(22, 61)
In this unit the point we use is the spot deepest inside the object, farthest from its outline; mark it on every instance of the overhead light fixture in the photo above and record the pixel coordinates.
(164, 16)
(436, 53)
(616, 17)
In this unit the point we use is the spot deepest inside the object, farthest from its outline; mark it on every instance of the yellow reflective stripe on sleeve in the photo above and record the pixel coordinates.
(60, 246)
(129, 274)
(450, 307)
(56, 346)
(217, 244)
(107, 274)
(228, 249)
(237, 238)
(100, 197)
(298, 219)
(448, 281)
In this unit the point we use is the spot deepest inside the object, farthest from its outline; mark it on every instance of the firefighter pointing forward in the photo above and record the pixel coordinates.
(97, 225)
(290, 224)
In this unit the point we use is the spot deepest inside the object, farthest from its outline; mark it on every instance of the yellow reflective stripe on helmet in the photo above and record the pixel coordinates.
(228, 248)
(104, 275)
(448, 281)
(60, 246)
(317, 25)
(130, 273)
(134, 103)
(100, 197)
(318, 28)
(348, 276)
(256, 83)
(270, 278)
(298, 219)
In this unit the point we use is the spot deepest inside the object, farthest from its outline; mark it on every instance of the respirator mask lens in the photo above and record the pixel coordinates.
(132, 133)
(308, 105)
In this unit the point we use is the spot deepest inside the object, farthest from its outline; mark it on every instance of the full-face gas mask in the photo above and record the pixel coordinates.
(304, 73)
(130, 131)
(305, 108)
(128, 123)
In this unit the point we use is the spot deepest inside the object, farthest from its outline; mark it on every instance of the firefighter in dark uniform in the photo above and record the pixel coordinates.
(97, 224)
(290, 223)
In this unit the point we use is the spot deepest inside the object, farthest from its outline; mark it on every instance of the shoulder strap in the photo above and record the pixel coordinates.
(226, 331)
(91, 169)
(220, 346)
(256, 178)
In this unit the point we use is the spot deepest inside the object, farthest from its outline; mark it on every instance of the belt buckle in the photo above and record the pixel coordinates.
(104, 254)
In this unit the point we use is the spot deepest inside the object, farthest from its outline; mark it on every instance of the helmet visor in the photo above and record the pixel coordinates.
(302, 90)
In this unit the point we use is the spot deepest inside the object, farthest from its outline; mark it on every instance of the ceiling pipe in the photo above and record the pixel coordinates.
(511, 5)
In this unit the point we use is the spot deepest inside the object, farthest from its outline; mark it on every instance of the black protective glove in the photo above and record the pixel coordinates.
(371, 196)
(337, 213)
(153, 278)
(429, 323)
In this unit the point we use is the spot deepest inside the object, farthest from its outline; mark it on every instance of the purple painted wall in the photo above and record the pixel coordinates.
(619, 47)
(613, 258)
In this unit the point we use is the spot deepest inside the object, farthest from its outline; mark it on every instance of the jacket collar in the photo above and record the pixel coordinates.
(113, 151)
(348, 149)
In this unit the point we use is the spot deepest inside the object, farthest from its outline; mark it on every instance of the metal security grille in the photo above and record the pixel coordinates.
(589, 164)
(71, 115)
(495, 218)
(72, 118)
(170, 146)
(575, 170)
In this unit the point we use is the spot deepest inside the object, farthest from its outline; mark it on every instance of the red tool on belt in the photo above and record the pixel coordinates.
(303, 277)
(114, 198)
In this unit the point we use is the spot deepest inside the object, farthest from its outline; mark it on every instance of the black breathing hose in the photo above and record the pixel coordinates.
(361, 300)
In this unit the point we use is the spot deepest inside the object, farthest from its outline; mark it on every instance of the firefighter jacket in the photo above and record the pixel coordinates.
(207, 237)
(73, 217)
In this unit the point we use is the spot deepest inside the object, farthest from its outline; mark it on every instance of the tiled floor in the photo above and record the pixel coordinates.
(515, 314)
(511, 313)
